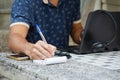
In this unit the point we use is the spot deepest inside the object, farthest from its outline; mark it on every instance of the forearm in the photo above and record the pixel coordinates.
(19, 44)
(39, 50)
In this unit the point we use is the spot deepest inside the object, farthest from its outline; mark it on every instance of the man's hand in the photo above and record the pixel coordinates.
(76, 32)
(41, 50)
(17, 43)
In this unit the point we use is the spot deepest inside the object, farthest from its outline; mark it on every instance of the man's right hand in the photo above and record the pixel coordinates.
(41, 50)
(17, 43)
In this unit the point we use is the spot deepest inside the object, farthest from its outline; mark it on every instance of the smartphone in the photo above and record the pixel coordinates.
(18, 57)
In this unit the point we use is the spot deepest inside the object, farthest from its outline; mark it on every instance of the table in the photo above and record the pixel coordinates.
(97, 66)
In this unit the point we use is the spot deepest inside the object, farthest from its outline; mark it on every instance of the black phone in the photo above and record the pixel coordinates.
(18, 57)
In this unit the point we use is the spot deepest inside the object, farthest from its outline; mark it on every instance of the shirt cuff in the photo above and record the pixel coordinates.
(77, 21)
(16, 23)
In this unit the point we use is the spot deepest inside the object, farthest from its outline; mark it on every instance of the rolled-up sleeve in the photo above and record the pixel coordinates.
(22, 12)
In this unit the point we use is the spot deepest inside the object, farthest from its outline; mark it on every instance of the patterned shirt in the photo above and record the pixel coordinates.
(55, 21)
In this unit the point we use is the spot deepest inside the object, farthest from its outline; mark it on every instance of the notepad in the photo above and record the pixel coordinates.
(52, 60)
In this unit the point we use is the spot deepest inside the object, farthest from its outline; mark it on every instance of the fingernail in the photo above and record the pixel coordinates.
(53, 53)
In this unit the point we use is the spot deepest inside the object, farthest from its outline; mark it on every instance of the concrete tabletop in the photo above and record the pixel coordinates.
(97, 66)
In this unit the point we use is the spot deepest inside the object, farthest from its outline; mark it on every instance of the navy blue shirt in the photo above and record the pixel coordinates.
(55, 22)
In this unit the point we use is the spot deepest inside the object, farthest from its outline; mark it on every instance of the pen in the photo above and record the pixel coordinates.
(43, 38)
(40, 32)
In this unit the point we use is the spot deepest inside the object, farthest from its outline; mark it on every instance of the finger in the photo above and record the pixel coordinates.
(37, 55)
(50, 48)
(53, 49)
(33, 56)
(43, 51)
(43, 48)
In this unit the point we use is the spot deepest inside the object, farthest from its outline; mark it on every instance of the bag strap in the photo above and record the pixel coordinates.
(115, 25)
(100, 46)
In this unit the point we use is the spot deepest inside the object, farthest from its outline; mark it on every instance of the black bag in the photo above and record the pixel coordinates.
(102, 32)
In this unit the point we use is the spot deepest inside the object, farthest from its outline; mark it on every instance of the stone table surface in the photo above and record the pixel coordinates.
(97, 66)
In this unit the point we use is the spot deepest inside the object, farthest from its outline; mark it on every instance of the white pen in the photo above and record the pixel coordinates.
(40, 32)
(52, 60)
(43, 38)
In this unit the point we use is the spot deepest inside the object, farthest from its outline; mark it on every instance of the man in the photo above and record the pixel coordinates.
(57, 18)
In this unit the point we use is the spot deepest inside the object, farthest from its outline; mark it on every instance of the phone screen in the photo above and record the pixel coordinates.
(19, 57)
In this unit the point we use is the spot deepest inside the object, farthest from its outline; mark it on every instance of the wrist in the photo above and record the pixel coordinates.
(28, 48)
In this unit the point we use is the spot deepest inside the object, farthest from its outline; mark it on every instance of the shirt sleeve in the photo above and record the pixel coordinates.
(22, 12)
(77, 14)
